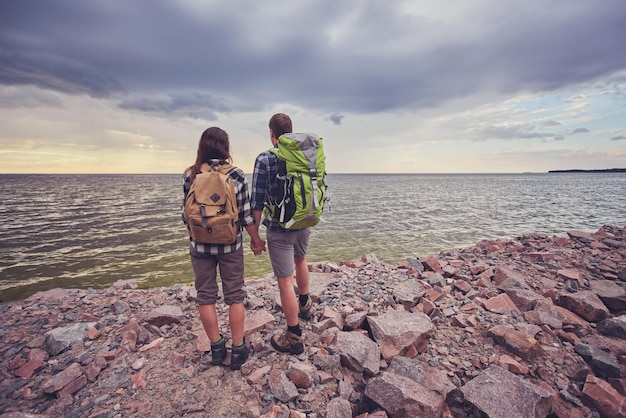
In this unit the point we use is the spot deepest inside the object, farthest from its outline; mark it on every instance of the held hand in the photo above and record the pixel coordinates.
(257, 247)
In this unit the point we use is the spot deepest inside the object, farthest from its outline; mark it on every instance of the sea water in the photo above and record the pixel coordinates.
(91, 230)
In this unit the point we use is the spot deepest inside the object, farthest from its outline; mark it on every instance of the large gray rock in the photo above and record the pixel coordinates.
(354, 321)
(423, 374)
(613, 327)
(407, 293)
(396, 331)
(545, 313)
(614, 243)
(339, 408)
(611, 294)
(403, 397)
(499, 393)
(165, 315)
(507, 277)
(586, 304)
(63, 338)
(524, 299)
(357, 352)
(281, 387)
(604, 364)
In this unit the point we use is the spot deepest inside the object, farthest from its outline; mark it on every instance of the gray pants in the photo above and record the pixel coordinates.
(284, 247)
(231, 273)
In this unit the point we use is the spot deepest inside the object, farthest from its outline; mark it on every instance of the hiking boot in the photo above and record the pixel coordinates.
(305, 311)
(288, 342)
(238, 356)
(218, 352)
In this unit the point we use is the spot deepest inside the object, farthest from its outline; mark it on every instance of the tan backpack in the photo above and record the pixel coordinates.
(210, 210)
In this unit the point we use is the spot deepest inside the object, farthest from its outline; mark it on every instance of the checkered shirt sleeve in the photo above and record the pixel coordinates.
(265, 186)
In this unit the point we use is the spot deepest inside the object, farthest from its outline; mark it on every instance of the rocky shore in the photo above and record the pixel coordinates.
(530, 327)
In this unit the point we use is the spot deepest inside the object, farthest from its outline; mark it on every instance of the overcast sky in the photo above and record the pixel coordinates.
(460, 86)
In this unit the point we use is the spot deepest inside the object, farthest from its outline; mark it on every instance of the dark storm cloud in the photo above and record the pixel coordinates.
(50, 72)
(196, 105)
(325, 55)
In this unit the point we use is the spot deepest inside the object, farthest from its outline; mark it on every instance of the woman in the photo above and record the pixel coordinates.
(214, 149)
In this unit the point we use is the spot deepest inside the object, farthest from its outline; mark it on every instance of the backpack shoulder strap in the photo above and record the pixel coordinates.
(222, 168)
(225, 168)
(205, 168)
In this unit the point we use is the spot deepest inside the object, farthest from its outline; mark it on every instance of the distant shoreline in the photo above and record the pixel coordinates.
(607, 170)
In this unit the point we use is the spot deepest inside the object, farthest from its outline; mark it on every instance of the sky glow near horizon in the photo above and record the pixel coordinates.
(478, 86)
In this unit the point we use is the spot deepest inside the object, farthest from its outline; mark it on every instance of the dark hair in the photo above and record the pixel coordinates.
(280, 124)
(214, 144)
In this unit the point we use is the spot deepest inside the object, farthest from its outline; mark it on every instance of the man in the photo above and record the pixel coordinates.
(286, 247)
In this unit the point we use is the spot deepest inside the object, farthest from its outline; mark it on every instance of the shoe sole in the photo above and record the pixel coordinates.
(299, 350)
(294, 349)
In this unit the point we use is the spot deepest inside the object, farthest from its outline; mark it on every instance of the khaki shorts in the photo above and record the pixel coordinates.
(284, 247)
(231, 273)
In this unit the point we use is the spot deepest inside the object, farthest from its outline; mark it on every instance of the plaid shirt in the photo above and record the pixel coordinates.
(264, 184)
(243, 205)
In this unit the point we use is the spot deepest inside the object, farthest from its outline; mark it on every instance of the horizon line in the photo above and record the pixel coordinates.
(575, 170)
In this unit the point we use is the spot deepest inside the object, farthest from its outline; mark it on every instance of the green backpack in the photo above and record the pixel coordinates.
(302, 180)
